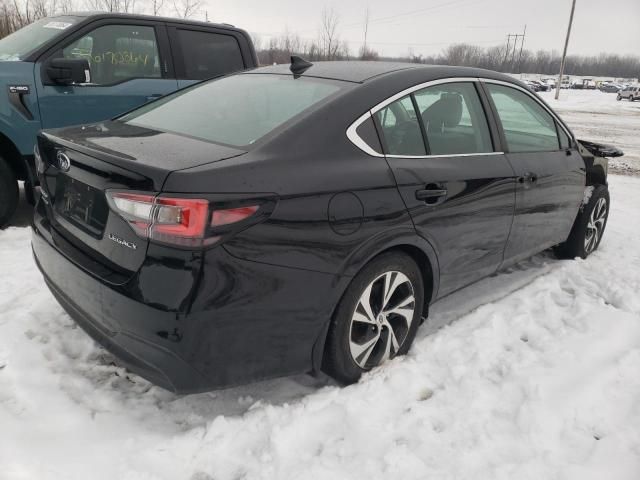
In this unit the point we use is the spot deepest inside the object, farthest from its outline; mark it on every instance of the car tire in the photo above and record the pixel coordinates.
(588, 226)
(365, 333)
(618, 97)
(9, 193)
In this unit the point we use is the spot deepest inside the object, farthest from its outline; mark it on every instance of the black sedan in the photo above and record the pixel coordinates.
(302, 217)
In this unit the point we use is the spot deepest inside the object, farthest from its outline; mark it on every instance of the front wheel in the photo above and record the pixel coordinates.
(618, 97)
(376, 319)
(9, 192)
(588, 227)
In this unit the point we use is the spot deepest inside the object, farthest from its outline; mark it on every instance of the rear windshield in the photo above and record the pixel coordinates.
(237, 110)
(19, 44)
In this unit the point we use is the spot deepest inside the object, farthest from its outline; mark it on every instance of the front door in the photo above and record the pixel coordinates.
(549, 170)
(128, 69)
(459, 191)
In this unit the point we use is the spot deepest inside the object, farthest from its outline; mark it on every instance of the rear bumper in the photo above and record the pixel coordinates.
(243, 321)
(83, 297)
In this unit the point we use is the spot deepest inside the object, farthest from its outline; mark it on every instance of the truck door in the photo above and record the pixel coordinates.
(130, 65)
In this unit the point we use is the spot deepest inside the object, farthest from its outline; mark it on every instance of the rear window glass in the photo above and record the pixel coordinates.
(237, 110)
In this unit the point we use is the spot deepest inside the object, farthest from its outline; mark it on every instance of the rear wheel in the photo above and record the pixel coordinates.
(618, 97)
(9, 193)
(588, 227)
(376, 319)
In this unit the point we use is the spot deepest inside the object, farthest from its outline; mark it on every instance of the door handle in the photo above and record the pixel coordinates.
(431, 196)
(528, 179)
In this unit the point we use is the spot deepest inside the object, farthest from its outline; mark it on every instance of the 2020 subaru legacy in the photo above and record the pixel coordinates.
(301, 217)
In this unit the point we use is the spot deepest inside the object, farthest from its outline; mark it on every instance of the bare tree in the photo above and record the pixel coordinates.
(186, 8)
(156, 6)
(119, 6)
(329, 40)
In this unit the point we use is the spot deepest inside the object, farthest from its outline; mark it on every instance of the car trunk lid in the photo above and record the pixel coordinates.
(76, 169)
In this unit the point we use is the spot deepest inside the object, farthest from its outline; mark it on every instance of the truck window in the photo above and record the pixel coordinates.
(207, 55)
(19, 44)
(117, 53)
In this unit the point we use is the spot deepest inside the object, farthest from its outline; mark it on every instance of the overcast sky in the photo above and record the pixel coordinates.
(427, 26)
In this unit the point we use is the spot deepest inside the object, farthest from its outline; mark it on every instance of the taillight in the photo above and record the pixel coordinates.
(186, 222)
(232, 215)
(181, 221)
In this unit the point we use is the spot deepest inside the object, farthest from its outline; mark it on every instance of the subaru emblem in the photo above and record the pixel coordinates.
(64, 163)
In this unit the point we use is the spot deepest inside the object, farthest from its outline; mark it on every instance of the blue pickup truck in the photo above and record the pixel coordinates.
(84, 68)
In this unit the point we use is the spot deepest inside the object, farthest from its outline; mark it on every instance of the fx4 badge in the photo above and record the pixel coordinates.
(120, 241)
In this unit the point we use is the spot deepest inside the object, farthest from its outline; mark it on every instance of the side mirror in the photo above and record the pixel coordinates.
(69, 71)
(601, 150)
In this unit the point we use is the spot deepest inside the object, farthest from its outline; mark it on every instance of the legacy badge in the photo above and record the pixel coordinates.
(122, 242)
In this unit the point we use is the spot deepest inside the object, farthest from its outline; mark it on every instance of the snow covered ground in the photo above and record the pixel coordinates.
(533, 375)
(598, 116)
(536, 377)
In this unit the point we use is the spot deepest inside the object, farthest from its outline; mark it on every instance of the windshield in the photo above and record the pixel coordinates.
(237, 110)
(16, 46)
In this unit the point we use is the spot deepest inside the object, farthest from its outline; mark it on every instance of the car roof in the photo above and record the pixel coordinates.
(98, 15)
(363, 71)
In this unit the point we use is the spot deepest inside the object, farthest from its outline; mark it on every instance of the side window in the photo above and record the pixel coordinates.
(400, 128)
(565, 141)
(117, 53)
(454, 119)
(366, 131)
(208, 55)
(527, 126)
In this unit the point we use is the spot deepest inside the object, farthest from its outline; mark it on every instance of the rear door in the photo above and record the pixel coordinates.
(130, 66)
(458, 189)
(201, 53)
(549, 170)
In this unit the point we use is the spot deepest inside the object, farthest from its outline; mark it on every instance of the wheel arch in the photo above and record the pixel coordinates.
(597, 174)
(12, 156)
(408, 242)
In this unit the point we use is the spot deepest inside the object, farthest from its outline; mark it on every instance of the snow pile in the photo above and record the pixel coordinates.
(599, 117)
(537, 377)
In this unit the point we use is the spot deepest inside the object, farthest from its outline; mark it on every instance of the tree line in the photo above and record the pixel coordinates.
(279, 50)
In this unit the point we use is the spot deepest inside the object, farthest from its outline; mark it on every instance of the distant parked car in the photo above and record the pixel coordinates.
(541, 86)
(610, 87)
(632, 93)
(551, 82)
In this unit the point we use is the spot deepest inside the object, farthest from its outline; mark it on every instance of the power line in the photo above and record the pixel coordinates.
(419, 11)
(508, 50)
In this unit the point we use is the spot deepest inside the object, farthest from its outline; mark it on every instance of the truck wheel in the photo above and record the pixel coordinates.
(618, 97)
(588, 226)
(9, 193)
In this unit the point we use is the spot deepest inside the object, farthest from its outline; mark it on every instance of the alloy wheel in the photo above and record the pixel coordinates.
(595, 227)
(382, 319)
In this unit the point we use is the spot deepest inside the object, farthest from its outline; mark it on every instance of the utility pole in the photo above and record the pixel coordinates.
(564, 53)
(506, 51)
(366, 30)
(511, 51)
(521, 47)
